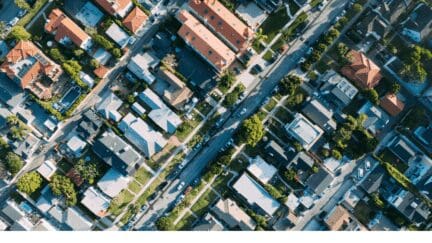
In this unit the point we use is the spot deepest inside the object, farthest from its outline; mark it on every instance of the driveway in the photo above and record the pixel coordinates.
(8, 11)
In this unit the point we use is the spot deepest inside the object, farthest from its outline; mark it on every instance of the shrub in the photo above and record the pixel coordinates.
(57, 55)
(19, 33)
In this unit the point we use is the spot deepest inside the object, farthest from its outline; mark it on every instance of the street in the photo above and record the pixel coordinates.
(254, 99)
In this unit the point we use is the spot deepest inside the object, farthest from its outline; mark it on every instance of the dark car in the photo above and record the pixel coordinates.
(256, 69)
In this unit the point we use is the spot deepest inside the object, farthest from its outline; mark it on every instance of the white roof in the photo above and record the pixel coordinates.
(23, 224)
(86, 79)
(292, 202)
(3, 225)
(307, 201)
(47, 169)
(304, 131)
(113, 182)
(101, 55)
(228, 211)
(96, 202)
(118, 35)
(43, 204)
(44, 225)
(142, 135)
(76, 144)
(140, 64)
(138, 108)
(109, 107)
(77, 221)
(261, 169)
(254, 193)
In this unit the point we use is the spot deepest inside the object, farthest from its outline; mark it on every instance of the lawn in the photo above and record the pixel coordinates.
(187, 126)
(186, 222)
(283, 115)
(134, 187)
(202, 205)
(204, 108)
(274, 23)
(220, 184)
(122, 200)
(142, 176)
(270, 105)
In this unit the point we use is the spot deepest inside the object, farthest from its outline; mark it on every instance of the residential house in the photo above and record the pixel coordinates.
(392, 104)
(320, 181)
(87, 79)
(208, 223)
(118, 35)
(403, 148)
(112, 183)
(172, 89)
(373, 181)
(341, 91)
(66, 31)
(232, 215)
(274, 150)
(424, 134)
(116, 7)
(160, 113)
(135, 20)
(27, 147)
(269, 5)
(320, 115)
(261, 170)
(372, 25)
(96, 202)
(109, 106)
(340, 219)
(89, 125)
(304, 131)
(47, 169)
(75, 147)
(75, 220)
(142, 135)
(256, 195)
(141, 64)
(27, 66)
(302, 164)
(204, 42)
(117, 153)
(412, 207)
(419, 23)
(89, 15)
(10, 92)
(376, 120)
(227, 26)
(391, 10)
(361, 70)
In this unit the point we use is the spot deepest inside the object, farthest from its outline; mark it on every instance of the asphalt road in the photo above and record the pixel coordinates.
(263, 89)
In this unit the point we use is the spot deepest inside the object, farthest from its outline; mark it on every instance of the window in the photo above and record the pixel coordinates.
(219, 23)
(206, 11)
(210, 52)
(212, 17)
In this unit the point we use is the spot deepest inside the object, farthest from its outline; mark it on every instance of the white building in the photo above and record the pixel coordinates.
(118, 35)
(112, 183)
(232, 215)
(109, 106)
(87, 79)
(76, 146)
(140, 66)
(262, 170)
(304, 131)
(47, 169)
(96, 202)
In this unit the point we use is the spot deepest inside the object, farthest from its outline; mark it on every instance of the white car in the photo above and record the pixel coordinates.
(180, 186)
(13, 21)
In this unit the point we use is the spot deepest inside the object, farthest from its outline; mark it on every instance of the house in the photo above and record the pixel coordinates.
(304, 131)
(412, 207)
(96, 202)
(319, 181)
(269, 5)
(172, 89)
(112, 183)
(392, 104)
(47, 169)
(255, 195)
(274, 150)
(89, 15)
(109, 106)
(424, 134)
(141, 64)
(351, 198)
(204, 42)
(373, 181)
(66, 31)
(13, 211)
(27, 147)
(138, 109)
(340, 219)
(420, 168)
(11, 92)
(343, 92)
(320, 115)
(116, 153)
(116, 7)
(76, 220)
(403, 148)
(89, 81)
(139, 133)
(419, 23)
(208, 223)
(26, 65)
(89, 125)
(160, 114)
(44, 225)
(118, 35)
(376, 120)
(361, 70)
(75, 147)
(227, 26)
(391, 10)
(302, 164)
(135, 20)
(372, 25)
(232, 215)
(261, 170)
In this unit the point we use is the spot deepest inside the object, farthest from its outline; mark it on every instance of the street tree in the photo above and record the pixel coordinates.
(29, 182)
(251, 131)
(19, 33)
(14, 163)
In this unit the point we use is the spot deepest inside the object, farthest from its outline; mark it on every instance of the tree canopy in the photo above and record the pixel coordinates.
(14, 163)
(413, 67)
(63, 186)
(19, 33)
(29, 182)
(251, 131)
(87, 170)
(289, 84)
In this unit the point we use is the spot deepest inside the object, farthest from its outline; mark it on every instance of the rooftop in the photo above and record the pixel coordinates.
(364, 72)
(96, 202)
(109, 106)
(261, 170)
(113, 182)
(118, 35)
(135, 19)
(392, 104)
(231, 214)
(116, 7)
(304, 131)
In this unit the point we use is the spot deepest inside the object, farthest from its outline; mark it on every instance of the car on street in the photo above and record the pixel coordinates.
(256, 69)
(180, 186)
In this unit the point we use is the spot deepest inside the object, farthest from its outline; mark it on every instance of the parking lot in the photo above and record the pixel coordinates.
(8, 11)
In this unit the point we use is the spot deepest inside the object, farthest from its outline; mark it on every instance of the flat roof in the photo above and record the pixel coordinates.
(262, 170)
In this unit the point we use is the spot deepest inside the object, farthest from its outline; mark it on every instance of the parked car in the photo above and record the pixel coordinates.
(256, 69)
(181, 185)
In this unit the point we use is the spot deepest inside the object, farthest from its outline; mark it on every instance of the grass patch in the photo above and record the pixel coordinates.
(187, 126)
(120, 202)
(270, 105)
(134, 187)
(202, 205)
(274, 23)
(204, 107)
(186, 222)
(142, 176)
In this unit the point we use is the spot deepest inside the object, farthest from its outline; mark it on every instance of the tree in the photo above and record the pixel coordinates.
(29, 182)
(88, 171)
(413, 67)
(104, 42)
(336, 154)
(224, 159)
(94, 63)
(164, 223)
(251, 131)
(14, 163)
(78, 53)
(395, 88)
(260, 36)
(231, 99)
(63, 186)
(116, 53)
(57, 55)
(227, 79)
(2, 27)
(22, 4)
(289, 84)
(19, 33)
(357, 7)
(372, 96)
(377, 200)
(290, 174)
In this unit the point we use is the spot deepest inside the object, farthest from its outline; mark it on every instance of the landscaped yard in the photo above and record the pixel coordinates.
(270, 105)
(387, 156)
(283, 115)
(268, 56)
(274, 23)
(142, 176)
(204, 108)
(185, 222)
(187, 126)
(201, 206)
(363, 212)
(117, 205)
(134, 187)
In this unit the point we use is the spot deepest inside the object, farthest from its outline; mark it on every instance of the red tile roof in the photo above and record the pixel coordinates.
(63, 26)
(101, 71)
(135, 19)
(365, 73)
(113, 6)
(392, 104)
(40, 65)
(205, 42)
(224, 22)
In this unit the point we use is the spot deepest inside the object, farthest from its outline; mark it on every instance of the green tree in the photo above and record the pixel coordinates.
(78, 52)
(251, 131)
(88, 171)
(372, 96)
(63, 186)
(289, 84)
(395, 88)
(2, 27)
(29, 182)
(14, 163)
(94, 63)
(227, 80)
(57, 55)
(164, 223)
(260, 36)
(290, 174)
(23, 4)
(117, 53)
(19, 33)
(336, 154)
(413, 67)
(231, 99)
(357, 7)
(102, 41)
